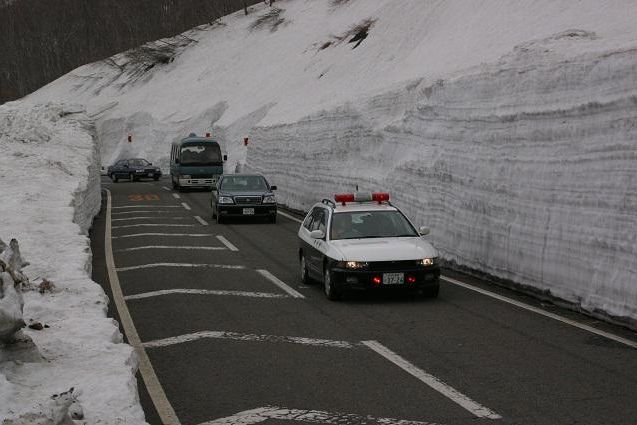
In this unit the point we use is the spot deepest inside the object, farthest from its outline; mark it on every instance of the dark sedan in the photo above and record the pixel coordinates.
(243, 195)
(133, 169)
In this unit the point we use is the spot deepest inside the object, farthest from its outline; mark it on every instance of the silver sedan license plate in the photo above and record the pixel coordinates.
(393, 278)
(248, 211)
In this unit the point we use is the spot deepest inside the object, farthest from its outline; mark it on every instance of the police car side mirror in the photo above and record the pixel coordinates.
(272, 187)
(424, 230)
(225, 157)
(317, 234)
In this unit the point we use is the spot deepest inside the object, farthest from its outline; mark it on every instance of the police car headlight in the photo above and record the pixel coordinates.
(226, 200)
(429, 261)
(269, 199)
(353, 265)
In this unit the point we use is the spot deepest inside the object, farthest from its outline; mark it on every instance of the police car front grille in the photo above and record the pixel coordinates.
(244, 200)
(387, 266)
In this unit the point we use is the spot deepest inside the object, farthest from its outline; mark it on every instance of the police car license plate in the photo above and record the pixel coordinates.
(393, 278)
(248, 211)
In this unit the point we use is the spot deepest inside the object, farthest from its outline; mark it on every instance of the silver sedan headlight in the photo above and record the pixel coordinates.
(269, 199)
(226, 200)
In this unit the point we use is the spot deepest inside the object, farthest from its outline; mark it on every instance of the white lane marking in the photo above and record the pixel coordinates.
(186, 206)
(435, 383)
(554, 316)
(294, 293)
(248, 337)
(176, 196)
(153, 225)
(166, 188)
(201, 220)
(147, 218)
(134, 235)
(291, 217)
(520, 304)
(227, 243)
(153, 265)
(155, 390)
(262, 414)
(193, 248)
(204, 292)
(141, 211)
(147, 206)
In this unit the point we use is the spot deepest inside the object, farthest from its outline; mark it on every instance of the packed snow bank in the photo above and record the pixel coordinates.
(50, 188)
(517, 171)
(508, 127)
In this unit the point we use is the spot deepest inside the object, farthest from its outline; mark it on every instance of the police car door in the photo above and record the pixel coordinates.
(315, 248)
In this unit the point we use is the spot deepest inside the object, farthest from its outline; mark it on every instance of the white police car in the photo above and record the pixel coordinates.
(362, 241)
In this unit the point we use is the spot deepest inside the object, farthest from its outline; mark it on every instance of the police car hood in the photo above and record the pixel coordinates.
(384, 249)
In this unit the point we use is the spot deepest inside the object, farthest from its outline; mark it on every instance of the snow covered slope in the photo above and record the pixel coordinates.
(508, 127)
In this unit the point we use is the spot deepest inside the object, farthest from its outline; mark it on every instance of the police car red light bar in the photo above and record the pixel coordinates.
(380, 196)
(361, 197)
(344, 197)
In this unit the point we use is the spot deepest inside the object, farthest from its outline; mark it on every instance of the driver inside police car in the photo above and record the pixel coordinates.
(339, 227)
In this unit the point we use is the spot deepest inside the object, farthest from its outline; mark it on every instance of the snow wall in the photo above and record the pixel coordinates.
(518, 173)
(50, 186)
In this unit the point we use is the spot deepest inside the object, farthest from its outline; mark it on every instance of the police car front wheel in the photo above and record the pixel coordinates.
(305, 278)
(329, 287)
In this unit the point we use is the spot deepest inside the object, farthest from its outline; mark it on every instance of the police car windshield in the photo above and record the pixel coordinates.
(243, 183)
(370, 224)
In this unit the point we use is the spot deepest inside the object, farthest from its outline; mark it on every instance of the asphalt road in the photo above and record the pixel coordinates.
(228, 328)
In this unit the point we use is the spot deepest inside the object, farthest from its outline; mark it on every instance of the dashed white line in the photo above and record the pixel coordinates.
(227, 243)
(201, 220)
(147, 218)
(247, 337)
(176, 196)
(291, 217)
(204, 292)
(186, 206)
(294, 293)
(153, 225)
(559, 318)
(135, 235)
(166, 188)
(147, 206)
(433, 382)
(186, 265)
(142, 212)
(193, 248)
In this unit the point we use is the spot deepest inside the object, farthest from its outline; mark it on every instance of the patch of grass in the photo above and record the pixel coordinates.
(355, 34)
(271, 19)
(336, 3)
